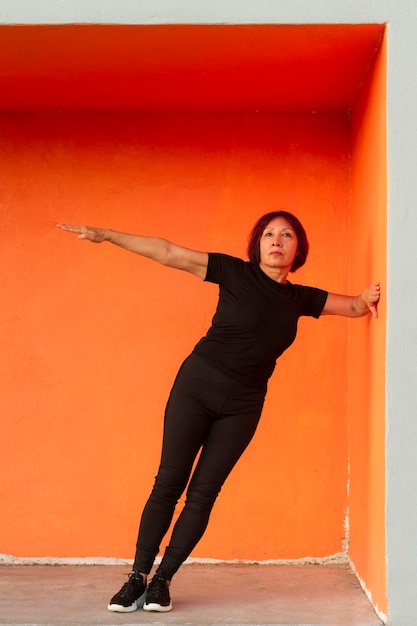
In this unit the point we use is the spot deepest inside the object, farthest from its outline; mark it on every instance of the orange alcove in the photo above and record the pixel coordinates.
(190, 133)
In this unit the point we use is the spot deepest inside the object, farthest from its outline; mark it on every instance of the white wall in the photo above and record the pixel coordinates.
(199, 11)
(401, 15)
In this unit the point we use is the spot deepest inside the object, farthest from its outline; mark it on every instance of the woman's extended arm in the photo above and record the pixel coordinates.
(354, 306)
(155, 248)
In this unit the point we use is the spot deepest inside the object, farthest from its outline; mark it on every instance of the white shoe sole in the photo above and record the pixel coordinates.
(152, 606)
(118, 608)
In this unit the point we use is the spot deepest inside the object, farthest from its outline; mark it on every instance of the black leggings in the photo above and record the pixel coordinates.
(206, 410)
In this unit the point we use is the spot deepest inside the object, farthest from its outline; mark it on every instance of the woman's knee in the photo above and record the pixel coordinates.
(202, 497)
(169, 484)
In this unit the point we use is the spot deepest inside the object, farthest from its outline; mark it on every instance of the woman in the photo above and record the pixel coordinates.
(218, 395)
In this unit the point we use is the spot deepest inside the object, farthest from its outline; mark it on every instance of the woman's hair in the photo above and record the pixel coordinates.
(255, 235)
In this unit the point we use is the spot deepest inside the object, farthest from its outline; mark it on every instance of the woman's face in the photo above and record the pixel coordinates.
(278, 248)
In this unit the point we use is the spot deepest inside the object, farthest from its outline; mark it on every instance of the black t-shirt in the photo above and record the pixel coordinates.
(256, 318)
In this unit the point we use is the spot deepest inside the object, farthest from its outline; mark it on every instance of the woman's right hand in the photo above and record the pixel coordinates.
(159, 250)
(95, 235)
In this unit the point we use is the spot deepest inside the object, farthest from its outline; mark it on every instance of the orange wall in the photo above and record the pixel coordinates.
(92, 336)
(184, 67)
(367, 354)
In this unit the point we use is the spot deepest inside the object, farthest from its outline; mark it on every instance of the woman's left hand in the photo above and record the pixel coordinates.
(371, 297)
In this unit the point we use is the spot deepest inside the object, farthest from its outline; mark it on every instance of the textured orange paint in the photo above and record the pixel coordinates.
(367, 364)
(267, 67)
(92, 336)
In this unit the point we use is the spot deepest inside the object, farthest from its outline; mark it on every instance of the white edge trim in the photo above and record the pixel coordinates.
(7, 559)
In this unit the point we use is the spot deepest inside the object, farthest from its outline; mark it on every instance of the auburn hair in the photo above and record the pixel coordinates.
(255, 235)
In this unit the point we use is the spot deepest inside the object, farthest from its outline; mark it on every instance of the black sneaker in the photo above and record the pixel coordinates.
(157, 597)
(131, 595)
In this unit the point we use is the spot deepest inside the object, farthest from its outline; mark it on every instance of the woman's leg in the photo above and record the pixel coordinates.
(187, 421)
(227, 439)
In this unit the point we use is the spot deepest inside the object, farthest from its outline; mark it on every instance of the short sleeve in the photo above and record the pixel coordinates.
(314, 301)
(222, 268)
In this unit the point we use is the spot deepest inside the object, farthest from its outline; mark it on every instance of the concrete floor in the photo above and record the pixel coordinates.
(303, 595)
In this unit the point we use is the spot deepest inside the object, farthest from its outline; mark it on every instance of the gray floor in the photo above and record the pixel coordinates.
(307, 595)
